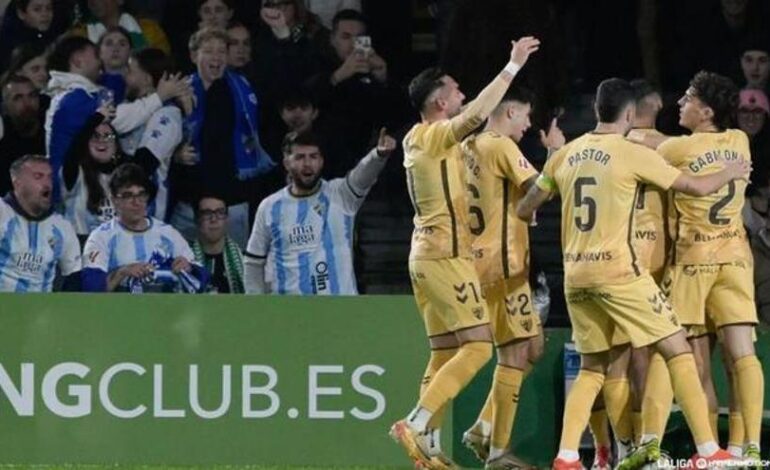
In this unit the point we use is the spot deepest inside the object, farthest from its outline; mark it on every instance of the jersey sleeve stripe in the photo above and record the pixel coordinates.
(253, 256)
(629, 238)
(504, 241)
(450, 208)
(350, 186)
(412, 193)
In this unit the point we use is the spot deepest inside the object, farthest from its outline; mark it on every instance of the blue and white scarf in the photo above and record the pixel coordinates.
(251, 159)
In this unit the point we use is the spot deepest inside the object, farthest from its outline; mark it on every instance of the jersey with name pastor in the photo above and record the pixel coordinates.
(598, 176)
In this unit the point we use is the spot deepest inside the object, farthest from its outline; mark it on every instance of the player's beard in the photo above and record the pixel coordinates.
(305, 184)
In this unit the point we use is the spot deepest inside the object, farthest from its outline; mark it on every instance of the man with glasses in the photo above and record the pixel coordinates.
(214, 249)
(135, 253)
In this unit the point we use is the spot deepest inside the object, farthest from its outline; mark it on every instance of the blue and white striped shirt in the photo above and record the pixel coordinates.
(308, 241)
(30, 250)
(112, 246)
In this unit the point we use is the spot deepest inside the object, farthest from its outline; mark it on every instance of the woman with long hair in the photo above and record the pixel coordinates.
(86, 174)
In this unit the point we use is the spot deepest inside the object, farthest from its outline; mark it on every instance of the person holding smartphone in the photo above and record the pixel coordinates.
(353, 81)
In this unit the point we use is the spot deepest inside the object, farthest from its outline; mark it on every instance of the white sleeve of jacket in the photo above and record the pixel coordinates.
(129, 116)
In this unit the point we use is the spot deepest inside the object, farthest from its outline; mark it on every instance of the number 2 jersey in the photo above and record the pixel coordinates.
(496, 170)
(598, 177)
(708, 229)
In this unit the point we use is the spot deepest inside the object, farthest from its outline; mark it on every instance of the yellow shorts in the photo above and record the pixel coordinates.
(696, 331)
(619, 338)
(511, 313)
(448, 294)
(638, 308)
(725, 291)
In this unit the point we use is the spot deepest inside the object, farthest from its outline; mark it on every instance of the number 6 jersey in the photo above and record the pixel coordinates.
(496, 170)
(708, 229)
(598, 177)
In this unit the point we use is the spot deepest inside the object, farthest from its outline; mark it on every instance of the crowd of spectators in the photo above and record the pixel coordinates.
(200, 94)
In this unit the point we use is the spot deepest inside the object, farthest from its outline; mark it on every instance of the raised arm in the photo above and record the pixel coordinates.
(480, 108)
(365, 173)
(707, 184)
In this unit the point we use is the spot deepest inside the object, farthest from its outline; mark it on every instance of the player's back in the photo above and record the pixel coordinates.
(496, 170)
(436, 184)
(651, 223)
(708, 229)
(598, 176)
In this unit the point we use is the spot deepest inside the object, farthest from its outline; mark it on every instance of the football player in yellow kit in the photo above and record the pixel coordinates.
(498, 176)
(598, 177)
(711, 268)
(445, 284)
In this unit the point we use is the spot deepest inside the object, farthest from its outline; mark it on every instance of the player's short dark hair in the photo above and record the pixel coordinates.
(519, 94)
(17, 164)
(613, 96)
(299, 138)
(64, 49)
(718, 93)
(131, 174)
(347, 15)
(155, 62)
(423, 85)
(642, 89)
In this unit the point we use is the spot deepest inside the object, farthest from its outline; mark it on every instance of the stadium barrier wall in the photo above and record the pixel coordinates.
(235, 380)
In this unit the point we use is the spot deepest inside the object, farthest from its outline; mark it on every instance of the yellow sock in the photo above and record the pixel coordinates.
(714, 424)
(617, 399)
(751, 388)
(455, 375)
(737, 430)
(486, 410)
(505, 392)
(438, 357)
(599, 426)
(690, 396)
(577, 408)
(636, 420)
(658, 396)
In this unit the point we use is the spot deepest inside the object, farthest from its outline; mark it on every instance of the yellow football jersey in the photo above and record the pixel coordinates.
(650, 237)
(496, 170)
(435, 178)
(598, 177)
(709, 229)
